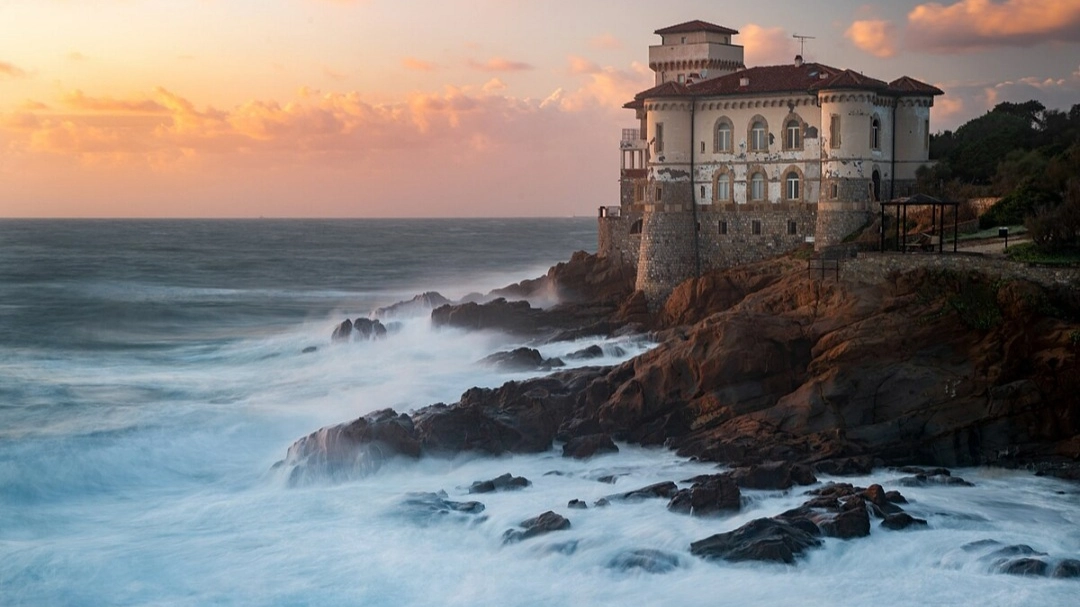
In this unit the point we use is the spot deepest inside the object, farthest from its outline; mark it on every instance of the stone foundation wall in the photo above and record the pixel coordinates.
(872, 268)
(615, 240)
(667, 255)
(740, 244)
(835, 220)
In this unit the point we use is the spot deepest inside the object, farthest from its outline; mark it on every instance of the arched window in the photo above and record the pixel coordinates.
(723, 187)
(757, 187)
(793, 135)
(792, 185)
(875, 133)
(759, 134)
(723, 139)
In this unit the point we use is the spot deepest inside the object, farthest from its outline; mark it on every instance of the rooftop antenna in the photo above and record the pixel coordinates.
(802, 42)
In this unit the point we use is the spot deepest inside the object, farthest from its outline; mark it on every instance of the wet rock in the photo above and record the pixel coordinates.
(895, 497)
(342, 332)
(770, 475)
(519, 359)
(577, 504)
(1067, 568)
(592, 351)
(651, 561)
(1025, 566)
(545, 523)
(505, 482)
(584, 447)
(608, 479)
(666, 489)
(902, 520)
(353, 449)
(924, 480)
(879, 502)
(917, 471)
(707, 497)
(846, 466)
(420, 305)
(431, 507)
(763, 539)
(602, 502)
(308, 350)
(368, 329)
(850, 522)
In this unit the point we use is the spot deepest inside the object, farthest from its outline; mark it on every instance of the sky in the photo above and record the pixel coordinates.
(427, 108)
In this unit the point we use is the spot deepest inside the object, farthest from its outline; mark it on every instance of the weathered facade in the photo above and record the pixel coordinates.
(730, 164)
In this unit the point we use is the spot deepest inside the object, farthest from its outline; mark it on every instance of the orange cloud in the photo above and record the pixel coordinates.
(767, 45)
(605, 42)
(607, 87)
(875, 36)
(581, 65)
(7, 70)
(498, 64)
(417, 65)
(975, 24)
(76, 100)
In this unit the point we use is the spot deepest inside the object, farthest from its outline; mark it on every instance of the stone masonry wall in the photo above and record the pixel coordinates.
(615, 239)
(667, 253)
(872, 268)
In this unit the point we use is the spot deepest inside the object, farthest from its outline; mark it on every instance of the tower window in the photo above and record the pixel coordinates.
(723, 227)
(755, 227)
(792, 227)
(875, 133)
(702, 196)
(659, 143)
(834, 131)
(659, 194)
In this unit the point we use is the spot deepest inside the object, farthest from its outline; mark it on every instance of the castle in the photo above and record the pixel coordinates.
(731, 165)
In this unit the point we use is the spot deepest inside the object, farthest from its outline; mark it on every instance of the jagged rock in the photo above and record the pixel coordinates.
(342, 332)
(577, 505)
(431, 507)
(517, 317)
(545, 523)
(584, 447)
(353, 449)
(773, 475)
(902, 520)
(708, 496)
(666, 489)
(519, 359)
(505, 482)
(851, 521)
(762, 539)
(651, 561)
(602, 502)
(895, 497)
(367, 329)
(922, 480)
(420, 305)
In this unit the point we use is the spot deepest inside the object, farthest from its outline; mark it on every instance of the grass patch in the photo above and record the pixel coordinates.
(1028, 252)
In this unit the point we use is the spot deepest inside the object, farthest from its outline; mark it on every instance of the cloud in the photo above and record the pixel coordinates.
(580, 65)
(7, 70)
(498, 64)
(768, 45)
(605, 42)
(875, 36)
(966, 100)
(418, 65)
(76, 56)
(976, 24)
(76, 100)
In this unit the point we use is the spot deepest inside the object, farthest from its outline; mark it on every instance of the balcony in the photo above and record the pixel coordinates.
(635, 151)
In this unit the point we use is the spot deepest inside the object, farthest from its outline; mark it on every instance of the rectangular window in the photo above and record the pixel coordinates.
(792, 227)
(926, 134)
(702, 193)
(755, 227)
(834, 131)
(659, 194)
(659, 144)
(639, 192)
(702, 147)
(723, 227)
(835, 190)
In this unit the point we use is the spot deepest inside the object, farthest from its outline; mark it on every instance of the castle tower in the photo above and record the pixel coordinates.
(694, 51)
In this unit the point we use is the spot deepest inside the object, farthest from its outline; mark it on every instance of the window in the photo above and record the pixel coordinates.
(758, 134)
(793, 135)
(722, 141)
(639, 192)
(792, 185)
(834, 131)
(926, 134)
(757, 187)
(702, 147)
(792, 227)
(835, 191)
(723, 186)
(682, 79)
(723, 227)
(875, 133)
(755, 227)
(659, 194)
(702, 196)
(658, 145)
(635, 228)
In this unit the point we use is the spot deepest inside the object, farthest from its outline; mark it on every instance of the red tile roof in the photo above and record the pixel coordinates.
(791, 78)
(696, 26)
(905, 84)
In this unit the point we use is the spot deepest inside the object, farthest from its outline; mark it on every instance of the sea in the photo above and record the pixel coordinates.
(153, 372)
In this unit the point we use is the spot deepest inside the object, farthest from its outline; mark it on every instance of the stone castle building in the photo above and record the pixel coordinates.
(731, 164)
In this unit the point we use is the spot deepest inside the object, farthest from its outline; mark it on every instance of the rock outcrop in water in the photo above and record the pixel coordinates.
(761, 364)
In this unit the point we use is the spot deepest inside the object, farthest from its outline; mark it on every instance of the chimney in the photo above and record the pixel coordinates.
(798, 60)
(744, 81)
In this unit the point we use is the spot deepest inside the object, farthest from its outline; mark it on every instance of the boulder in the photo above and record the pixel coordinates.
(342, 332)
(1066, 568)
(773, 475)
(592, 351)
(577, 504)
(426, 508)
(420, 305)
(584, 447)
(353, 449)
(902, 520)
(666, 489)
(762, 539)
(1025, 566)
(648, 560)
(519, 359)
(505, 482)
(539, 525)
(708, 496)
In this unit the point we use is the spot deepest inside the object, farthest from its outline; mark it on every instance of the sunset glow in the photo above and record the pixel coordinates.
(367, 108)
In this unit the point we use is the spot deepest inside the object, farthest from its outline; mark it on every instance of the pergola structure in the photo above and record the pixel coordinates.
(937, 212)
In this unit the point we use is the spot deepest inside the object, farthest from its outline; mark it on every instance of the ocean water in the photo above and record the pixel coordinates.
(151, 374)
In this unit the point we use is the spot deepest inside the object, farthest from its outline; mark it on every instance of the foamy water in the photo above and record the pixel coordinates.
(137, 452)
